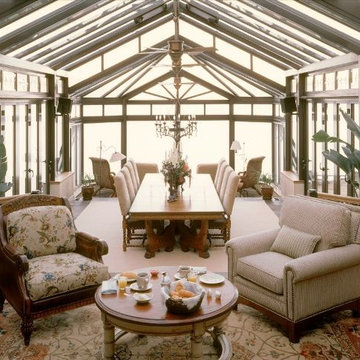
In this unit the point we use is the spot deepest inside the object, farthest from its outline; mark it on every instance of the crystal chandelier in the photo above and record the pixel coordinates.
(175, 127)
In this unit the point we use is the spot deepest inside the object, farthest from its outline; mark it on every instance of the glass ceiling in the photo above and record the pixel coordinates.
(107, 46)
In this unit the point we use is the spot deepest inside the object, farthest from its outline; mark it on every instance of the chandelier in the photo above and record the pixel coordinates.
(175, 127)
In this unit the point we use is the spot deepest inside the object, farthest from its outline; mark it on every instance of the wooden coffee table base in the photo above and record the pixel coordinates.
(197, 331)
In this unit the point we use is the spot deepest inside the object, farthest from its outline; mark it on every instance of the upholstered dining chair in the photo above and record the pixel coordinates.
(220, 175)
(46, 265)
(250, 177)
(219, 165)
(129, 183)
(137, 178)
(130, 167)
(221, 228)
(207, 168)
(132, 230)
(144, 168)
(225, 178)
(104, 177)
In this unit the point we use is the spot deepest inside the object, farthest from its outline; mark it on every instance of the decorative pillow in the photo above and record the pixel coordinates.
(294, 243)
(41, 230)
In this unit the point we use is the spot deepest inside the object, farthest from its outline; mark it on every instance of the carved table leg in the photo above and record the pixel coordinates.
(197, 241)
(156, 241)
(109, 339)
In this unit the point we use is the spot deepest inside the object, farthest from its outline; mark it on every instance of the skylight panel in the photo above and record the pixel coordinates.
(199, 36)
(36, 15)
(323, 18)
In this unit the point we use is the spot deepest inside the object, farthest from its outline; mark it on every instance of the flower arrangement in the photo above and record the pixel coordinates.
(175, 169)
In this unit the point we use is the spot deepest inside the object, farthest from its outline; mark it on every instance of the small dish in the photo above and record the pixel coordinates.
(211, 279)
(142, 298)
(134, 286)
(154, 272)
(128, 280)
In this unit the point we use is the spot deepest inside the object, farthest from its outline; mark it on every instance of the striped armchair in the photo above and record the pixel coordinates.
(305, 268)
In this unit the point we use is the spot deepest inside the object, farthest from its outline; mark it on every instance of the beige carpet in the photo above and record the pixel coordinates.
(102, 218)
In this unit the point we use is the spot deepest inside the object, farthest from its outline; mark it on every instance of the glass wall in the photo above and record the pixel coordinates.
(255, 139)
(101, 140)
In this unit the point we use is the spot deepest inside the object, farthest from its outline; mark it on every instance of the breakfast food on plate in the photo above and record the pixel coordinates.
(129, 274)
(181, 292)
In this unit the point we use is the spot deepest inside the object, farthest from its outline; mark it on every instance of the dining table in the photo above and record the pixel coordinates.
(185, 218)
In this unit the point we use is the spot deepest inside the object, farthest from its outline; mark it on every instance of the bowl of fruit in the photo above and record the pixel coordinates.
(182, 297)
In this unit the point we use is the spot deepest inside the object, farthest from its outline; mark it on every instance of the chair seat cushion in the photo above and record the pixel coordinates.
(58, 273)
(265, 269)
(41, 230)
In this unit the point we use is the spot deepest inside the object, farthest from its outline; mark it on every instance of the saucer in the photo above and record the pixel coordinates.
(142, 298)
(134, 286)
(128, 280)
(178, 277)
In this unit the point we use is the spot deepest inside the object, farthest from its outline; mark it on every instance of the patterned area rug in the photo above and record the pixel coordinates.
(77, 334)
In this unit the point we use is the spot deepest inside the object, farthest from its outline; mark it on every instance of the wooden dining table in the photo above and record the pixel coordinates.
(187, 216)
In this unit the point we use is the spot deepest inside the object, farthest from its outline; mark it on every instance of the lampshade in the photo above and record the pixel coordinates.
(235, 145)
(116, 156)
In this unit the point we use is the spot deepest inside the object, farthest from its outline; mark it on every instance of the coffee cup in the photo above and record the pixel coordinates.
(183, 271)
(142, 280)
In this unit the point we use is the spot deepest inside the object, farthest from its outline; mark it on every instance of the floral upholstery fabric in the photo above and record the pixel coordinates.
(41, 230)
(55, 274)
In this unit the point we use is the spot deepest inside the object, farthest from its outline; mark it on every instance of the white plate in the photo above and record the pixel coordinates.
(134, 286)
(142, 298)
(211, 279)
(128, 280)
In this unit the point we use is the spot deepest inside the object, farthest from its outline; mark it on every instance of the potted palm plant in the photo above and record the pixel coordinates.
(266, 181)
(88, 187)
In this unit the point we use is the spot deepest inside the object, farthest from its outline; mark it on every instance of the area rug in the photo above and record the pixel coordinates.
(77, 335)
(102, 218)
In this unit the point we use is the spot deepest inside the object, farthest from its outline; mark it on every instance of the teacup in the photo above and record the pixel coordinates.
(183, 271)
(142, 280)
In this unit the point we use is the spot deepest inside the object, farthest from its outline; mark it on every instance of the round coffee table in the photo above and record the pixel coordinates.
(121, 310)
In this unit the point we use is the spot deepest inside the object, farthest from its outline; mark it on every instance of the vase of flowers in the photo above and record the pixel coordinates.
(175, 169)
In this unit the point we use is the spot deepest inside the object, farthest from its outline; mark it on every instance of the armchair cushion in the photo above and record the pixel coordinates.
(265, 269)
(41, 230)
(294, 243)
(53, 274)
(331, 222)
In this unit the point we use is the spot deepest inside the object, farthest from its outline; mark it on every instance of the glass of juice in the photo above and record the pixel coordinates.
(122, 282)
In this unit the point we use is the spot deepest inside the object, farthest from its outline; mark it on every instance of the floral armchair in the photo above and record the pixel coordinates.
(46, 265)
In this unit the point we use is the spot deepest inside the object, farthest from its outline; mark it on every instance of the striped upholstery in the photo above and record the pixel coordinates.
(220, 176)
(294, 243)
(224, 182)
(129, 183)
(331, 222)
(219, 166)
(265, 269)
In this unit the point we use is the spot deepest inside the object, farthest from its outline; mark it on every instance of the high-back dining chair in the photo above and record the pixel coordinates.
(132, 230)
(137, 178)
(221, 228)
(223, 185)
(220, 176)
(104, 178)
(130, 167)
(129, 183)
